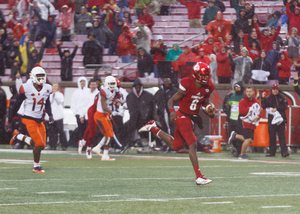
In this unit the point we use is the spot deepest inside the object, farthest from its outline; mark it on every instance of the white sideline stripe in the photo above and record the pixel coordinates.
(277, 173)
(128, 179)
(7, 188)
(145, 199)
(54, 192)
(220, 202)
(30, 151)
(105, 195)
(283, 206)
(18, 161)
(149, 167)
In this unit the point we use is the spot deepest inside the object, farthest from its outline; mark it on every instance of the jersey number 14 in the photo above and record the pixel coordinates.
(41, 102)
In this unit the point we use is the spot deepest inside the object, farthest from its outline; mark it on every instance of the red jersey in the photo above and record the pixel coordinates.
(192, 101)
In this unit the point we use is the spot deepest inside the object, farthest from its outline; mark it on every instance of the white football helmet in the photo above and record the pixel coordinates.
(38, 80)
(110, 83)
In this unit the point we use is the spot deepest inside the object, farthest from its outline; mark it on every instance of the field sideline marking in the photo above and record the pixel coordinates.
(54, 192)
(7, 188)
(283, 206)
(220, 202)
(128, 179)
(151, 199)
(141, 167)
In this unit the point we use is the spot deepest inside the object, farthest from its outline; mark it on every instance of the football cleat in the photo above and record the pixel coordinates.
(13, 137)
(146, 128)
(88, 153)
(80, 146)
(203, 180)
(97, 150)
(38, 170)
(107, 158)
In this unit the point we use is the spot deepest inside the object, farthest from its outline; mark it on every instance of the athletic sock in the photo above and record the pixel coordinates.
(23, 138)
(36, 164)
(83, 142)
(197, 171)
(155, 130)
(105, 152)
(88, 148)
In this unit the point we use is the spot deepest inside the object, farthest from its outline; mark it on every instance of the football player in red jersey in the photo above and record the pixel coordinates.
(192, 94)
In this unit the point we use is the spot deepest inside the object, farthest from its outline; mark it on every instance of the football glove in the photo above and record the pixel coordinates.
(8, 126)
(51, 120)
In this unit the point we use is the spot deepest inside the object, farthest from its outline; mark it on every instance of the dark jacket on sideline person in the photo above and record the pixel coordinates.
(66, 72)
(275, 101)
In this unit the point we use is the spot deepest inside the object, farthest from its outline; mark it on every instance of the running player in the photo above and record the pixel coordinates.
(192, 93)
(35, 94)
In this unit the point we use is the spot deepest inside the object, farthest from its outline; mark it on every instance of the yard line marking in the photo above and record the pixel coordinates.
(105, 195)
(148, 199)
(283, 206)
(277, 173)
(54, 192)
(30, 151)
(18, 161)
(7, 188)
(220, 202)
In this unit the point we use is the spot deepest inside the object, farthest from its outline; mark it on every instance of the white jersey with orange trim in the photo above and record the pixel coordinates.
(109, 97)
(35, 101)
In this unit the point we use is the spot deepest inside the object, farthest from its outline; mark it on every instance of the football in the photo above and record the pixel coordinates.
(210, 108)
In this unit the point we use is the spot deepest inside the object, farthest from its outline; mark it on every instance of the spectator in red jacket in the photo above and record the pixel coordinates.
(207, 46)
(253, 51)
(159, 52)
(61, 3)
(194, 9)
(248, 131)
(187, 55)
(147, 18)
(65, 21)
(224, 71)
(202, 57)
(220, 28)
(284, 68)
(294, 18)
(126, 49)
(18, 31)
(265, 39)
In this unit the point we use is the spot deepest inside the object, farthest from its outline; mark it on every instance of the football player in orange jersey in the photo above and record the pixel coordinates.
(35, 94)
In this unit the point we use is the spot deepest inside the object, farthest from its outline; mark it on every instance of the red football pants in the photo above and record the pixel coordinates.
(90, 132)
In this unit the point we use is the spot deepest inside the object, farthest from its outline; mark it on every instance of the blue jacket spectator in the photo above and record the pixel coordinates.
(274, 56)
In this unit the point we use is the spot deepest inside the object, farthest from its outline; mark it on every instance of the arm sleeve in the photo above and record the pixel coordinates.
(74, 52)
(19, 100)
(59, 98)
(48, 107)
(59, 51)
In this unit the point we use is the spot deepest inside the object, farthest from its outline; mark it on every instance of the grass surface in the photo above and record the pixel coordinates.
(148, 183)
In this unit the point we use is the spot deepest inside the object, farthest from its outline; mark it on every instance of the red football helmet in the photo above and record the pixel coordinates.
(118, 83)
(201, 73)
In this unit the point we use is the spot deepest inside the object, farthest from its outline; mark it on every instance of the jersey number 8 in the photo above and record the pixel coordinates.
(193, 105)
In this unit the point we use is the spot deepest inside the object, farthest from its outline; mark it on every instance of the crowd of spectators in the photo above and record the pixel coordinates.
(237, 49)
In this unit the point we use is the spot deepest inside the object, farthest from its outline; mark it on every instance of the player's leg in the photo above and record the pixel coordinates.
(152, 127)
(108, 134)
(248, 134)
(37, 132)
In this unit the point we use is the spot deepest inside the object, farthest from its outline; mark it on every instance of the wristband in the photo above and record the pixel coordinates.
(171, 109)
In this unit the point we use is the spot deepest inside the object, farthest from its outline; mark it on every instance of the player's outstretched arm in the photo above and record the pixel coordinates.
(19, 100)
(176, 97)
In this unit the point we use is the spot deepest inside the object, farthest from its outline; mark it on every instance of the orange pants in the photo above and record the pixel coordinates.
(104, 124)
(36, 131)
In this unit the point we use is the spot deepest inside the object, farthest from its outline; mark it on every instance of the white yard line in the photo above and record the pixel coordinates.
(18, 161)
(7, 188)
(220, 202)
(54, 192)
(282, 206)
(149, 200)
(105, 195)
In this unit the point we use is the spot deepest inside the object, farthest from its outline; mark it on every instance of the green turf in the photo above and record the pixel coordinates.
(137, 183)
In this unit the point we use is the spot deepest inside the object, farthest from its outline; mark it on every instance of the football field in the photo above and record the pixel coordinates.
(148, 183)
